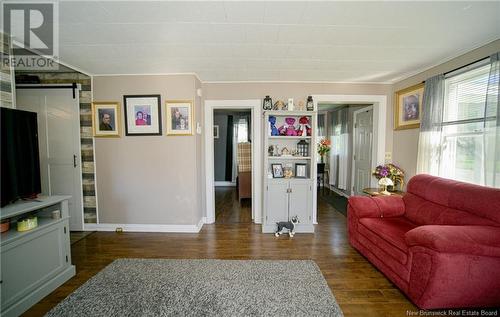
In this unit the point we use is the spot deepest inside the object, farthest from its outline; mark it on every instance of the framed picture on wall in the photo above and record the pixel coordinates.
(142, 115)
(408, 107)
(277, 170)
(180, 117)
(106, 119)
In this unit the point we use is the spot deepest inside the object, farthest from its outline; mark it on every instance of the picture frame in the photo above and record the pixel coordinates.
(216, 131)
(277, 170)
(300, 170)
(408, 107)
(106, 118)
(142, 115)
(180, 117)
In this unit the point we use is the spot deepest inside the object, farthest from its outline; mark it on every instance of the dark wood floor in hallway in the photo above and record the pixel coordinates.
(360, 289)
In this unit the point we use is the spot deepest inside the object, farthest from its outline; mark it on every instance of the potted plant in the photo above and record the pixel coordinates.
(324, 148)
(392, 172)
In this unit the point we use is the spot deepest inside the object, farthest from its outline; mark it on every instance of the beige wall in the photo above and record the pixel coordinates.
(405, 142)
(149, 179)
(299, 91)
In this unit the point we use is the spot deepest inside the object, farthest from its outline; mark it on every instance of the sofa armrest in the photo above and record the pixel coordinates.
(376, 207)
(476, 240)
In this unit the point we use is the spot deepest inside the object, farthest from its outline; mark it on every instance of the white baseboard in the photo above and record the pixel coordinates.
(145, 227)
(224, 184)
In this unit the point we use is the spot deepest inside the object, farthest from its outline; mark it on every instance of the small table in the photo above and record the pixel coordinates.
(376, 192)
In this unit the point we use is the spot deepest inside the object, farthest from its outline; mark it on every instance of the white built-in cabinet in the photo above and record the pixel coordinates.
(285, 198)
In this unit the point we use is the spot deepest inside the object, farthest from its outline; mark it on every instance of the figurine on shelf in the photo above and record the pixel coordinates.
(285, 151)
(279, 105)
(287, 172)
(288, 128)
(301, 106)
(304, 127)
(272, 126)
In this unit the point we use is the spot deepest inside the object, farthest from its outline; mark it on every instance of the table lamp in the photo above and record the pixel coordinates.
(384, 182)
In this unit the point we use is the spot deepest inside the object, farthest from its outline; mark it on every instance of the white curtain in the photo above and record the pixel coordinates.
(492, 125)
(429, 142)
(339, 156)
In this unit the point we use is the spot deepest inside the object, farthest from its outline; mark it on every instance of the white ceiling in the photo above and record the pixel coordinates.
(272, 41)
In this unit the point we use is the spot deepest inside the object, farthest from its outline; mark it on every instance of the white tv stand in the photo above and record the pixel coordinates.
(35, 262)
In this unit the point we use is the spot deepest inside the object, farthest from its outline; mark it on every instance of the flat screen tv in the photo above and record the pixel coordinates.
(20, 176)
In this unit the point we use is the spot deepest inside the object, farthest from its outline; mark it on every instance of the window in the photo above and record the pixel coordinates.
(242, 130)
(465, 123)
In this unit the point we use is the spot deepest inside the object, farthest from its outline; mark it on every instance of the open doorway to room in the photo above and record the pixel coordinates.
(233, 165)
(346, 169)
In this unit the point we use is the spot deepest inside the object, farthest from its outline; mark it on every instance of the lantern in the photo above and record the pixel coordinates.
(303, 148)
(310, 104)
(267, 104)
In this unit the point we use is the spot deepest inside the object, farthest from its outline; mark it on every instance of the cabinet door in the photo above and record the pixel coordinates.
(301, 201)
(277, 202)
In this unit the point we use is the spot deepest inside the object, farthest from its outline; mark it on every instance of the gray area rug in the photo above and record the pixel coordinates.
(157, 287)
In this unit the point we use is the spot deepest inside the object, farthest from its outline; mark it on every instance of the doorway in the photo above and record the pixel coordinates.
(58, 112)
(256, 154)
(232, 165)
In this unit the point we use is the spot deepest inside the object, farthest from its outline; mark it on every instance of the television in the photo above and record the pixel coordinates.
(20, 173)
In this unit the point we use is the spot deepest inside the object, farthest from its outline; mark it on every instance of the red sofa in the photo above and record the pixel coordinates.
(440, 243)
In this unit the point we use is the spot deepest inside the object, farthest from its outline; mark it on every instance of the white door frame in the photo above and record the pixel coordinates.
(255, 107)
(379, 125)
(355, 113)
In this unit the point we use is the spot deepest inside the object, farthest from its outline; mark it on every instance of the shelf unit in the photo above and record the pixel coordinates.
(288, 197)
(34, 262)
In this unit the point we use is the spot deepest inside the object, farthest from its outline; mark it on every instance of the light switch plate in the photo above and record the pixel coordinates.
(388, 156)
(198, 128)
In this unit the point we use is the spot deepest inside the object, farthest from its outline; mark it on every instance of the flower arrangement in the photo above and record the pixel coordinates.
(391, 171)
(324, 148)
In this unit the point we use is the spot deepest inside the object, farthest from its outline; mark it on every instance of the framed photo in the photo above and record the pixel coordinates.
(106, 119)
(216, 131)
(277, 170)
(408, 107)
(142, 115)
(179, 117)
(300, 170)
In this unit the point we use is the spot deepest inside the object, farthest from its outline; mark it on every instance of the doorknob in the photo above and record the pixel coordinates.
(74, 160)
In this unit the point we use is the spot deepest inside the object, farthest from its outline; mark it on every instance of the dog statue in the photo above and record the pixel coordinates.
(290, 225)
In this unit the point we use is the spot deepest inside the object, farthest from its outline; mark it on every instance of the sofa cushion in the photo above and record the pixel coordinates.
(477, 240)
(389, 233)
(480, 201)
(424, 212)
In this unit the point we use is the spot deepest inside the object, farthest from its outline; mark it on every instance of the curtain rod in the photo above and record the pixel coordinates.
(463, 66)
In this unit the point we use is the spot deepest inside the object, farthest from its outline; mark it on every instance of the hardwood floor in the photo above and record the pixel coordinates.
(360, 289)
(228, 209)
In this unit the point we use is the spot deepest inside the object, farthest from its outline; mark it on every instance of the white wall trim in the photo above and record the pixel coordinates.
(379, 122)
(145, 227)
(224, 184)
(256, 109)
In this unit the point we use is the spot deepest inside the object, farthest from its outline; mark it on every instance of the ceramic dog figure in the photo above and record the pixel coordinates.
(290, 225)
